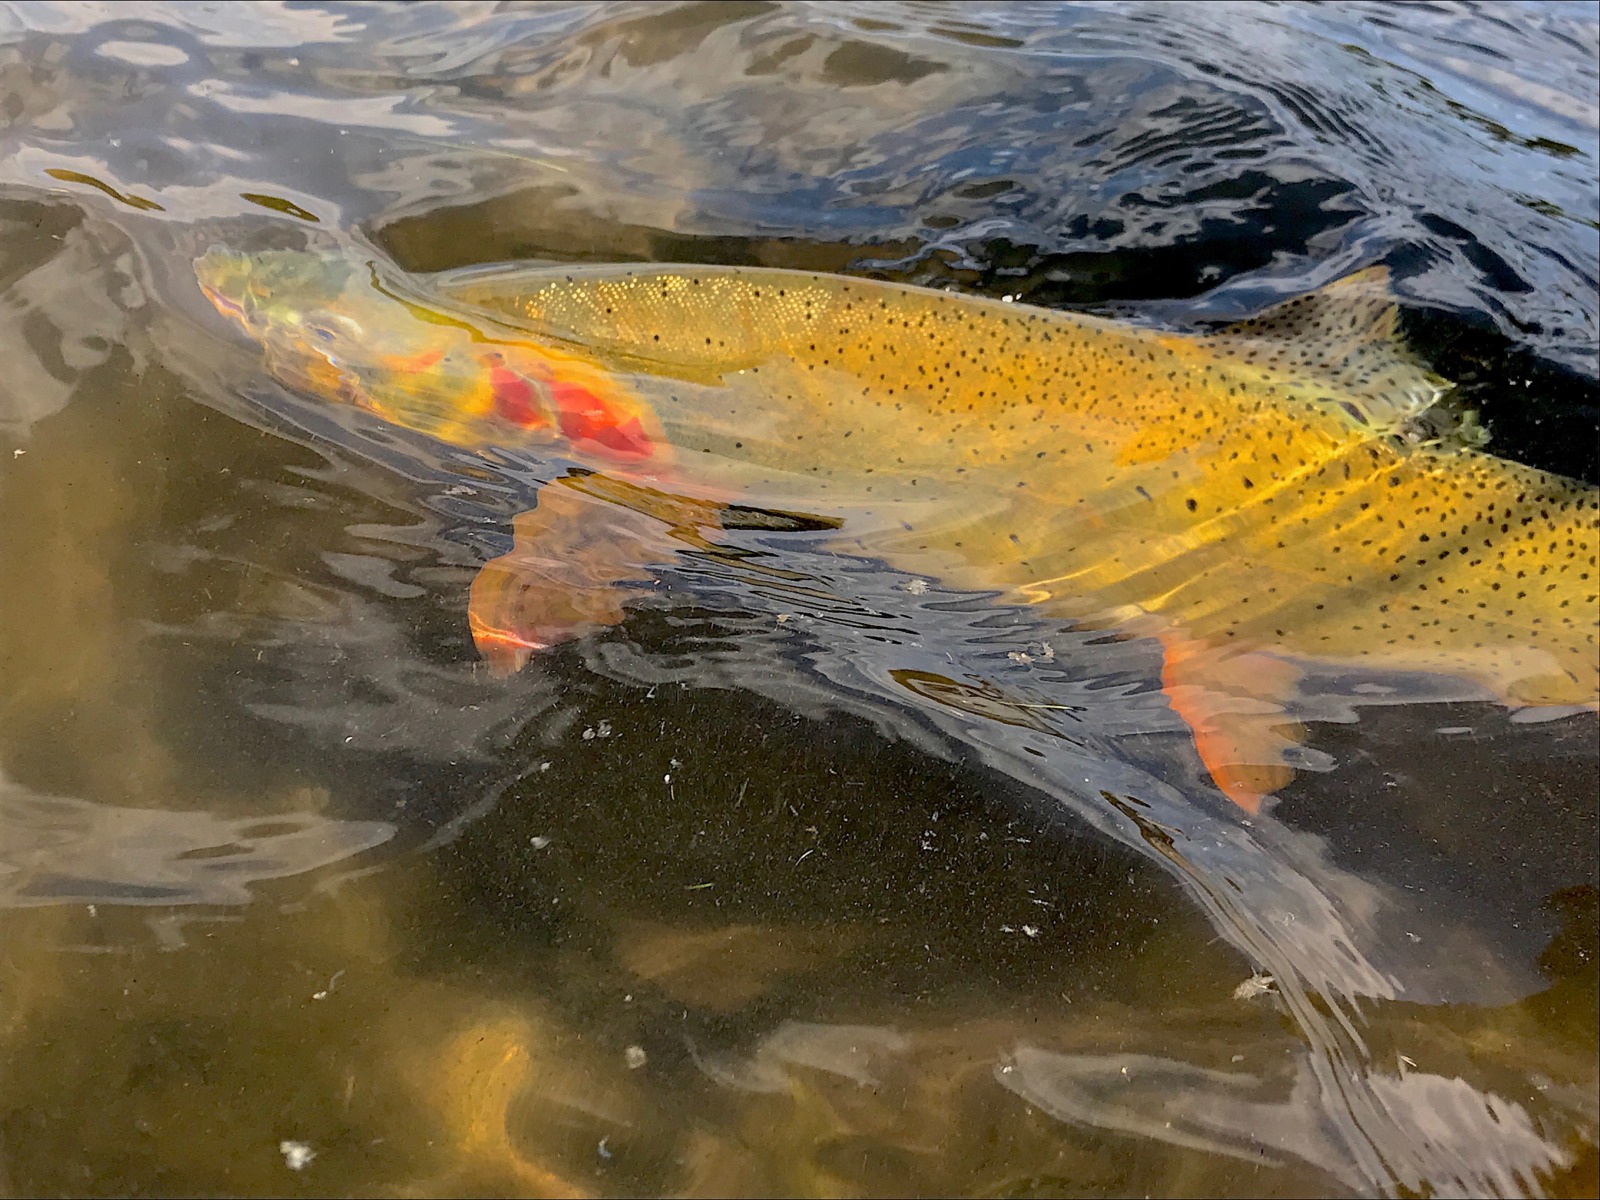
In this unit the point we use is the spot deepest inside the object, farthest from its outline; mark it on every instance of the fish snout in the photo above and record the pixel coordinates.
(223, 276)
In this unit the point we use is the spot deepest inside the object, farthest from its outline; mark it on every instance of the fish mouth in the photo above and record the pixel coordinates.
(223, 304)
(214, 271)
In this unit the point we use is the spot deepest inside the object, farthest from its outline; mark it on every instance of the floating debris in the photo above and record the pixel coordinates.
(1256, 985)
(296, 1155)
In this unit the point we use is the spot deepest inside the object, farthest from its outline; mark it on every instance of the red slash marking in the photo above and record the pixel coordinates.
(586, 418)
(513, 398)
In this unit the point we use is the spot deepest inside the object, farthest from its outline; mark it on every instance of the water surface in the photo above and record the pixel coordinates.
(811, 877)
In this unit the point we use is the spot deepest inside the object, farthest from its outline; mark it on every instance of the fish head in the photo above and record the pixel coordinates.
(278, 296)
(332, 325)
(337, 326)
(311, 312)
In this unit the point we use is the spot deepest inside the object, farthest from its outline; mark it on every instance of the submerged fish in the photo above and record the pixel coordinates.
(1258, 499)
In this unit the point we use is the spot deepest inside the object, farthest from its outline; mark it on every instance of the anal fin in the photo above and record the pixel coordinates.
(1233, 704)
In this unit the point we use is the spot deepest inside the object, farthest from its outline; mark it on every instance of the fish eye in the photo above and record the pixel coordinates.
(328, 327)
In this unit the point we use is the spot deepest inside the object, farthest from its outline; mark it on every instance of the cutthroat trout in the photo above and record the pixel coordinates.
(1257, 499)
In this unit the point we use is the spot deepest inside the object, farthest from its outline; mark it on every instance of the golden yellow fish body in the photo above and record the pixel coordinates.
(1255, 490)
(1254, 498)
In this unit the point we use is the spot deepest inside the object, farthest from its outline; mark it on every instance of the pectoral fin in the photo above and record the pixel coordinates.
(1234, 705)
(572, 559)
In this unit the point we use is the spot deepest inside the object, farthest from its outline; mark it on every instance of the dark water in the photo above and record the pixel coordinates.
(810, 877)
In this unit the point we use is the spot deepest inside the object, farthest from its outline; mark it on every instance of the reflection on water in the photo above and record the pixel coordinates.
(60, 851)
(813, 876)
(1221, 1112)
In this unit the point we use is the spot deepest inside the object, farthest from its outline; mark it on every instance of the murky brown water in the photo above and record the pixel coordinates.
(295, 897)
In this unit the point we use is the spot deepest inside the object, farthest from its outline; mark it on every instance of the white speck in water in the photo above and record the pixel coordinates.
(296, 1155)
(635, 1057)
(916, 586)
(539, 843)
(327, 991)
(1031, 930)
(1256, 985)
(543, 767)
(601, 1149)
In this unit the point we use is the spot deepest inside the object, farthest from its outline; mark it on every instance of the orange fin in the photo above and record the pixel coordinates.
(571, 559)
(1233, 704)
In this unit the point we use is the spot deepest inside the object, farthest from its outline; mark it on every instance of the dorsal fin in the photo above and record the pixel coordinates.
(1341, 339)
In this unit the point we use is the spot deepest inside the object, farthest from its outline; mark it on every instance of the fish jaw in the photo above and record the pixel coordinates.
(222, 277)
